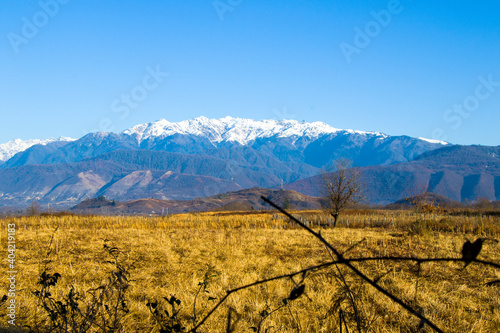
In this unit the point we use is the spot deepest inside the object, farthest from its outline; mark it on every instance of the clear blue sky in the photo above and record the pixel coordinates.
(304, 60)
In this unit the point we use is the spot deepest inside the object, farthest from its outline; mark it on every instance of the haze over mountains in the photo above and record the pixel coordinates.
(203, 157)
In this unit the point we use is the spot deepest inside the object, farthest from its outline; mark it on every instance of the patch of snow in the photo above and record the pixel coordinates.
(9, 149)
(434, 141)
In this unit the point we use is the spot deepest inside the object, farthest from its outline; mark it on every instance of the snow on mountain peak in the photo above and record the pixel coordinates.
(9, 149)
(229, 129)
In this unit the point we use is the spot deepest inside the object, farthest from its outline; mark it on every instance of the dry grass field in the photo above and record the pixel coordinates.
(198, 257)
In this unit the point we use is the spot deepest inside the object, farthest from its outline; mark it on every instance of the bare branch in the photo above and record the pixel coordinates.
(348, 262)
(355, 270)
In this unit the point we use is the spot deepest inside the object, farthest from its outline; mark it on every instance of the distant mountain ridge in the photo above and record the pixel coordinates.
(286, 140)
(201, 157)
(460, 173)
(9, 149)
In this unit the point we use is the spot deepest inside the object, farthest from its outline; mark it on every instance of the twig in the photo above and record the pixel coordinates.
(349, 292)
(421, 260)
(351, 297)
(347, 262)
(354, 269)
(229, 292)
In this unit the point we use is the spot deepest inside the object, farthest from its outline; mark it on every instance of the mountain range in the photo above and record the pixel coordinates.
(203, 157)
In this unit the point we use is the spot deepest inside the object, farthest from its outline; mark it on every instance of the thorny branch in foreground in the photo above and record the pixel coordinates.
(468, 256)
(341, 258)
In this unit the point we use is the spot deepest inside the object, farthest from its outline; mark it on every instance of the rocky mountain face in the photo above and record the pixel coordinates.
(203, 157)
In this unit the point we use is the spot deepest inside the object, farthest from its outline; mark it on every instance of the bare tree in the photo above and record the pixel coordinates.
(33, 209)
(341, 186)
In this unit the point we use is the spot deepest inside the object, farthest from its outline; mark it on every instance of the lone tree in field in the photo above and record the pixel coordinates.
(341, 186)
(33, 209)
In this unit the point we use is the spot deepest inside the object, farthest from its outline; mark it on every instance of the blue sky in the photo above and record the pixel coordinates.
(398, 67)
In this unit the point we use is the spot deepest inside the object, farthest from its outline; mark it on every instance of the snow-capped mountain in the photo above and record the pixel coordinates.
(287, 141)
(191, 158)
(237, 130)
(217, 131)
(9, 149)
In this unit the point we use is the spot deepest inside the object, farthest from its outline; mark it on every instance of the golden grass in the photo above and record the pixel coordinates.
(170, 256)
